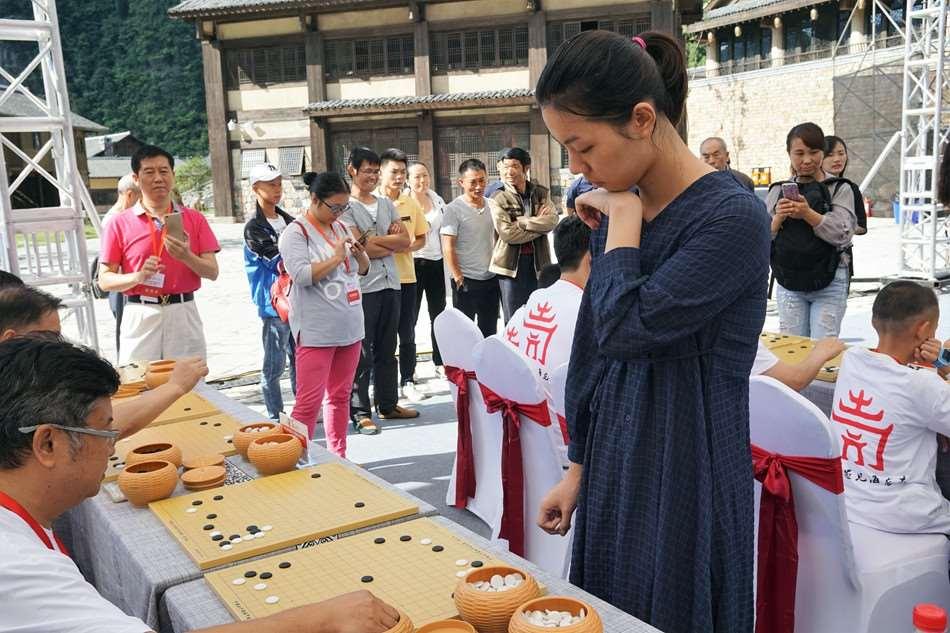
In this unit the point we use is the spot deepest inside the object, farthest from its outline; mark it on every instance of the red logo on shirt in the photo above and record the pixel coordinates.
(857, 417)
(541, 323)
(512, 335)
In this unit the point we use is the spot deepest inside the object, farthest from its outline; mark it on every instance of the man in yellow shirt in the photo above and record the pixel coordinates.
(394, 166)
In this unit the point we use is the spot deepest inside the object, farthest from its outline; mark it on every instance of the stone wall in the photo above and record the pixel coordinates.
(847, 96)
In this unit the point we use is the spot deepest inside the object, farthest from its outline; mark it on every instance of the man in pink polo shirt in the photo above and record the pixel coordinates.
(157, 272)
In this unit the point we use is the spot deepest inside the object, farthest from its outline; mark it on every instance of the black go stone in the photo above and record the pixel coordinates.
(114, 458)
(284, 565)
(209, 527)
(437, 548)
(231, 441)
(315, 476)
(253, 528)
(197, 502)
(250, 574)
(203, 423)
(405, 537)
(379, 540)
(366, 579)
(218, 497)
(217, 537)
(358, 504)
(223, 543)
(212, 516)
(234, 536)
(217, 424)
(266, 575)
(187, 408)
(477, 563)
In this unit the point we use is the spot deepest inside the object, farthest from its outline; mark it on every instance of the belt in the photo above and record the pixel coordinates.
(162, 300)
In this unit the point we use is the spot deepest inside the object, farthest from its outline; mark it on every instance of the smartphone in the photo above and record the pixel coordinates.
(175, 228)
(790, 191)
(363, 237)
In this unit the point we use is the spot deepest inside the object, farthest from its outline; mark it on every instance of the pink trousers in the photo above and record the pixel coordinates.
(325, 375)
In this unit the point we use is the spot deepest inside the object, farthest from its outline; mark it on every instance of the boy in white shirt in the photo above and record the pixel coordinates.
(888, 416)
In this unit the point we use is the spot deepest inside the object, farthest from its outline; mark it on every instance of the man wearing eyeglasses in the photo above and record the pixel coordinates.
(261, 262)
(26, 310)
(56, 437)
(375, 221)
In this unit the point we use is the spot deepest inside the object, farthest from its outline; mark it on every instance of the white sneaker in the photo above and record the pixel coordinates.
(411, 393)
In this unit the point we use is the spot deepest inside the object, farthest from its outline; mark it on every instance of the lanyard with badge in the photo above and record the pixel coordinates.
(157, 279)
(353, 296)
(10, 504)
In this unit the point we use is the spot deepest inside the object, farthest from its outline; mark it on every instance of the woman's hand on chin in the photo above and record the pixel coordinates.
(589, 206)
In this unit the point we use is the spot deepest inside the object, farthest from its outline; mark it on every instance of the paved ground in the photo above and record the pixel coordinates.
(417, 455)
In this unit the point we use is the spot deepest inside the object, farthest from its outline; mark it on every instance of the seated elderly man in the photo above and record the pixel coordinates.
(24, 309)
(56, 436)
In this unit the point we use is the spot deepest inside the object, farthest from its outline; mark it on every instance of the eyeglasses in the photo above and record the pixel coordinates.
(109, 434)
(337, 209)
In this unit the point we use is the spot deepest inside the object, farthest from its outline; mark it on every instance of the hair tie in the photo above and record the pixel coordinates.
(639, 42)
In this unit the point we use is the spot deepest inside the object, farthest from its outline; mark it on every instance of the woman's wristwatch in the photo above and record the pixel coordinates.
(943, 360)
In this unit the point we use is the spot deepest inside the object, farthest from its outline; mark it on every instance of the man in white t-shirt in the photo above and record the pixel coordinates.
(888, 415)
(798, 375)
(56, 437)
(546, 328)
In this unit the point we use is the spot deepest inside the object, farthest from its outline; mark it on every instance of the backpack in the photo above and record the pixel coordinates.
(802, 261)
(280, 289)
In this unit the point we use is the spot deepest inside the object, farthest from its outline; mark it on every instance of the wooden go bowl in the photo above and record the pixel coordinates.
(489, 612)
(404, 625)
(590, 624)
(145, 482)
(447, 626)
(243, 438)
(157, 377)
(273, 454)
(162, 451)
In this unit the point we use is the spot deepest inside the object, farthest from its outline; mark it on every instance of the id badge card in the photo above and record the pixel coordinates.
(156, 280)
(353, 295)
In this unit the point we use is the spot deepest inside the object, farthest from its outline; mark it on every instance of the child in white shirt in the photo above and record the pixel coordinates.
(888, 415)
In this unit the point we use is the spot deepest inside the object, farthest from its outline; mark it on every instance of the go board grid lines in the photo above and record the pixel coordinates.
(299, 506)
(408, 574)
(189, 406)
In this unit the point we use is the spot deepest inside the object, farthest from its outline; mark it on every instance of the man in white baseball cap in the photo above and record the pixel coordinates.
(261, 259)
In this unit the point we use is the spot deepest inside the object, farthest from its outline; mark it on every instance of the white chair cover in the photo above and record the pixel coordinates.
(506, 372)
(458, 336)
(847, 574)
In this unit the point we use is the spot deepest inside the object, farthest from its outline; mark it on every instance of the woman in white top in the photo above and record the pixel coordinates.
(326, 312)
(430, 273)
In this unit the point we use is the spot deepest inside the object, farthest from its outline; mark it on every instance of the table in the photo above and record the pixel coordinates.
(194, 605)
(129, 556)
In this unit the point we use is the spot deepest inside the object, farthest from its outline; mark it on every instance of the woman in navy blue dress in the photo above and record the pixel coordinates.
(657, 395)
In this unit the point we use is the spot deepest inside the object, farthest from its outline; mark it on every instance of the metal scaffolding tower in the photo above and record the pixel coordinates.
(925, 126)
(46, 246)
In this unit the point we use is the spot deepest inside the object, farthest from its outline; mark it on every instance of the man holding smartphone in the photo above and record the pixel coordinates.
(158, 263)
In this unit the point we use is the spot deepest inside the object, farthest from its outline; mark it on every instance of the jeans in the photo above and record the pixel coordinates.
(278, 349)
(117, 305)
(378, 357)
(407, 333)
(516, 290)
(478, 300)
(327, 376)
(814, 314)
(430, 280)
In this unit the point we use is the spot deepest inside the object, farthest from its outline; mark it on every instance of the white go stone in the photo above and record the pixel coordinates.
(228, 438)
(461, 562)
(498, 582)
(227, 547)
(462, 573)
(271, 599)
(267, 528)
(553, 619)
(191, 510)
(261, 586)
(426, 541)
(215, 533)
(236, 540)
(259, 535)
(238, 581)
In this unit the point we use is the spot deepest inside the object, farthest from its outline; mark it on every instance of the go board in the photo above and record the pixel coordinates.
(200, 436)
(224, 525)
(796, 351)
(414, 566)
(188, 407)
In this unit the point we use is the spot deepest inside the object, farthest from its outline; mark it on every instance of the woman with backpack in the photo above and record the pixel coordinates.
(326, 311)
(834, 165)
(813, 221)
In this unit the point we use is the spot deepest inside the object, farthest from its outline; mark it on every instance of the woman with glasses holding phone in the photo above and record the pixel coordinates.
(326, 314)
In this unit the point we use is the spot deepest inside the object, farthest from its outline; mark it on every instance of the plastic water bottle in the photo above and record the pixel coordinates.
(929, 618)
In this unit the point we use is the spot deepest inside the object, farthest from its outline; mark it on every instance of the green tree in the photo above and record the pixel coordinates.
(193, 174)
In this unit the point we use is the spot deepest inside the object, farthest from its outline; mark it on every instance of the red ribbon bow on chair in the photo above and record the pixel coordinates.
(465, 460)
(778, 532)
(512, 468)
